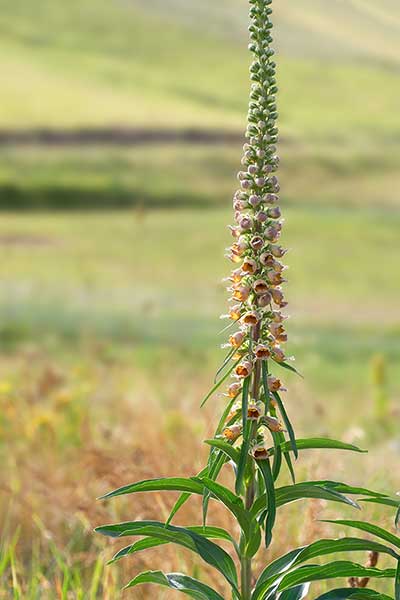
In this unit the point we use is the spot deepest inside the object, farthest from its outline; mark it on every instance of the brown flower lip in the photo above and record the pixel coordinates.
(262, 352)
(274, 384)
(260, 287)
(255, 410)
(273, 424)
(251, 318)
(235, 312)
(244, 369)
(260, 453)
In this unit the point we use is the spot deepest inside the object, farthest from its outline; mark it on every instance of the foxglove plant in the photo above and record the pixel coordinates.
(255, 434)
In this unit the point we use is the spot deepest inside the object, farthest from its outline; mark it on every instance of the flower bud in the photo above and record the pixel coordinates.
(278, 251)
(249, 265)
(278, 355)
(239, 205)
(266, 259)
(232, 433)
(273, 424)
(244, 369)
(246, 184)
(254, 200)
(241, 293)
(274, 384)
(265, 300)
(257, 242)
(245, 223)
(235, 312)
(278, 298)
(262, 217)
(274, 212)
(237, 339)
(260, 181)
(253, 169)
(271, 198)
(234, 389)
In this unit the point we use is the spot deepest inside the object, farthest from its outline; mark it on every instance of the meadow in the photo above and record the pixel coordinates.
(112, 260)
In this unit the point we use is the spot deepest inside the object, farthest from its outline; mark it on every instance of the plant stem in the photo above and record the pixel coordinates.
(246, 563)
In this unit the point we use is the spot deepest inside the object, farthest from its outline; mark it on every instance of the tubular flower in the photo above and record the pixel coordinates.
(256, 283)
(259, 452)
(232, 433)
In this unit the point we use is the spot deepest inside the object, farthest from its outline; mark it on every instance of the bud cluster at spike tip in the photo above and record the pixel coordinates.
(255, 285)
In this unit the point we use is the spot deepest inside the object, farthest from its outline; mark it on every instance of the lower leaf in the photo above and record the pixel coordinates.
(176, 581)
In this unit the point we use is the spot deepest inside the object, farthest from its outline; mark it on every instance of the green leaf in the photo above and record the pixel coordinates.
(225, 362)
(277, 464)
(176, 581)
(211, 553)
(314, 550)
(219, 383)
(354, 593)
(208, 532)
(231, 501)
(183, 498)
(397, 519)
(172, 484)
(247, 429)
(369, 528)
(265, 468)
(297, 593)
(320, 443)
(231, 452)
(397, 582)
(215, 463)
(286, 365)
(287, 422)
(333, 570)
(264, 372)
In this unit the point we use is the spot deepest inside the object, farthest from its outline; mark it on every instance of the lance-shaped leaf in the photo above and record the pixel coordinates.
(287, 422)
(267, 394)
(231, 501)
(210, 552)
(216, 461)
(333, 570)
(183, 498)
(320, 444)
(247, 429)
(300, 491)
(220, 382)
(171, 484)
(274, 571)
(397, 582)
(277, 464)
(297, 593)
(265, 468)
(369, 528)
(176, 581)
(208, 532)
(354, 594)
(231, 452)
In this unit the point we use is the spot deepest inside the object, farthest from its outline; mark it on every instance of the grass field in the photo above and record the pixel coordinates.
(106, 312)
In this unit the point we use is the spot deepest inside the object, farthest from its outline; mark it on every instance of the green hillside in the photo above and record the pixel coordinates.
(170, 62)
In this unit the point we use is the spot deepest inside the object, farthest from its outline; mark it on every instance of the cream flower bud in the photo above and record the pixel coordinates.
(244, 369)
(260, 287)
(278, 354)
(278, 298)
(274, 212)
(235, 231)
(239, 205)
(260, 181)
(253, 169)
(257, 242)
(265, 300)
(254, 200)
(235, 312)
(251, 318)
(271, 198)
(249, 265)
(262, 352)
(234, 389)
(237, 339)
(232, 433)
(262, 217)
(241, 293)
(272, 233)
(246, 184)
(273, 424)
(278, 251)
(245, 222)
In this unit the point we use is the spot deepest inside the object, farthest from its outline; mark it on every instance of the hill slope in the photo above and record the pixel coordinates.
(181, 63)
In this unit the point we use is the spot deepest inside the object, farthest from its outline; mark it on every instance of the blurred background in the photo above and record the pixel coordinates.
(121, 125)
